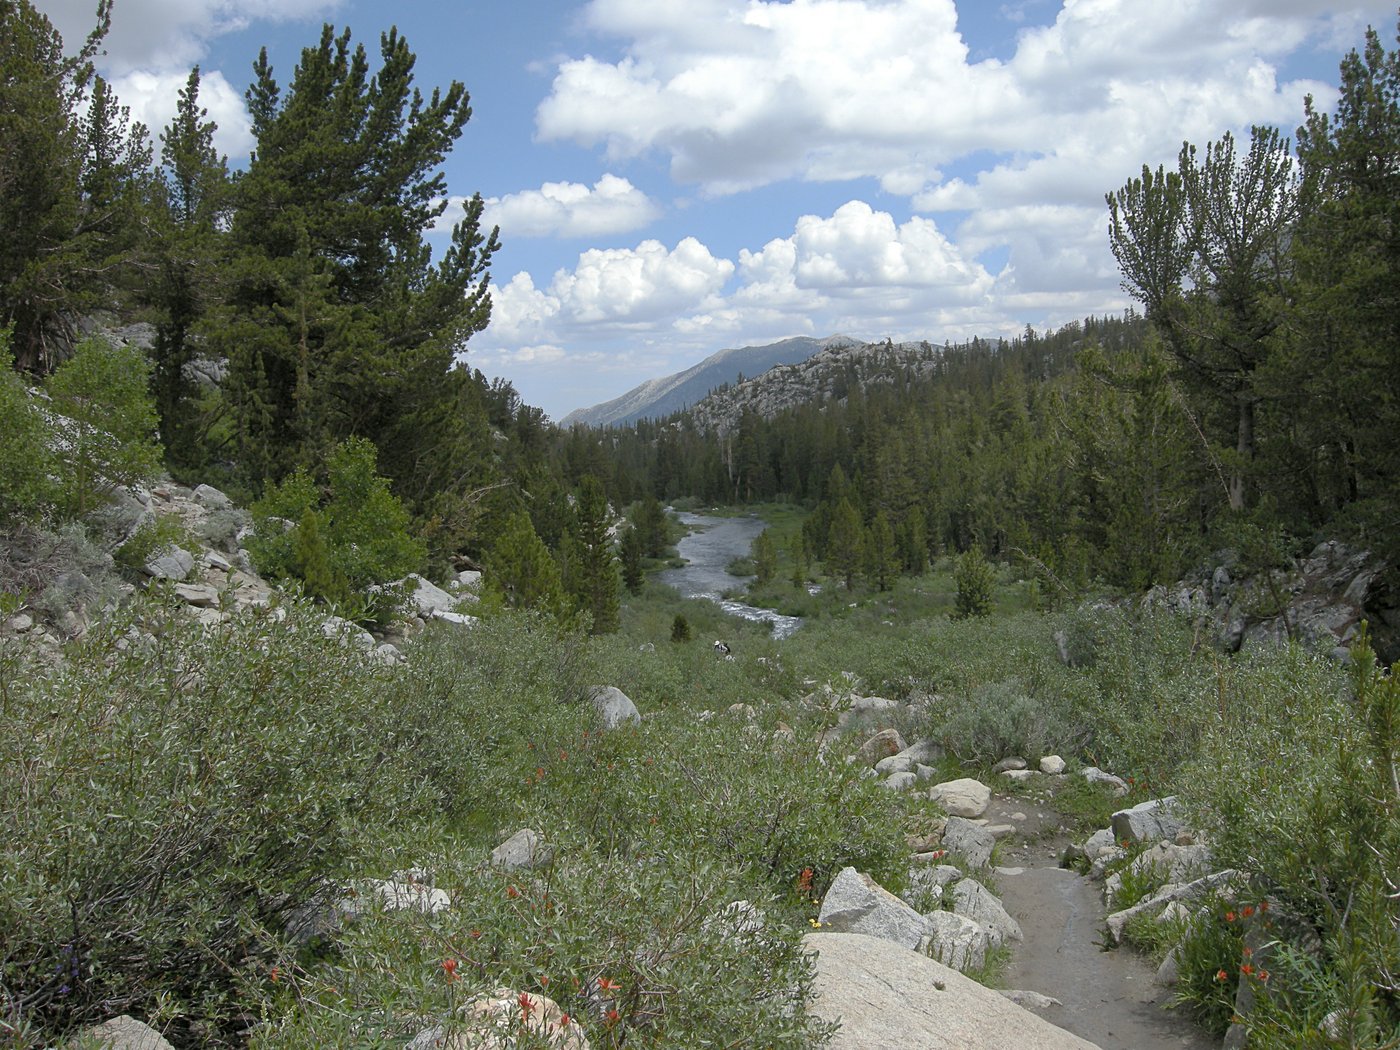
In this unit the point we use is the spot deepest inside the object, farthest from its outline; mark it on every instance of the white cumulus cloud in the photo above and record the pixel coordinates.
(738, 93)
(570, 209)
(163, 35)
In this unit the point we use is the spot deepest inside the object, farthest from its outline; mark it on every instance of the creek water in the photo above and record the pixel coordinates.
(708, 548)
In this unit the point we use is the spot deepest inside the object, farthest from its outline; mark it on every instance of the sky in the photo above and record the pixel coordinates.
(676, 177)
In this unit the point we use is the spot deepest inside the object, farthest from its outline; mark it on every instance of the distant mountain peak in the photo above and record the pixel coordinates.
(658, 398)
(827, 375)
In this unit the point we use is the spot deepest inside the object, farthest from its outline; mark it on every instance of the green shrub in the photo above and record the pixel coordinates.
(636, 949)
(173, 793)
(680, 629)
(993, 721)
(106, 436)
(27, 464)
(344, 543)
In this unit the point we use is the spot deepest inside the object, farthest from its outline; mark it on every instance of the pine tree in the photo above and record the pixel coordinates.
(765, 558)
(631, 551)
(592, 578)
(974, 580)
(520, 567)
(338, 321)
(193, 206)
(845, 543)
(881, 554)
(797, 553)
(1204, 248)
(46, 246)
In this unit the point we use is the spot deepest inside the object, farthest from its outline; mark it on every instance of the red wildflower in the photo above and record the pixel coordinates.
(563, 756)
(275, 974)
(612, 1017)
(1246, 969)
(512, 892)
(1263, 905)
(526, 1005)
(605, 985)
(1229, 916)
(1247, 911)
(449, 967)
(804, 881)
(1221, 975)
(1263, 975)
(475, 934)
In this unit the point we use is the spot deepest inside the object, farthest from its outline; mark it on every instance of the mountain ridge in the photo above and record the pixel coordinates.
(665, 395)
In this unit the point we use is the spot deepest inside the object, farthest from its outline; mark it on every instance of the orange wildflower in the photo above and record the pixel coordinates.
(449, 967)
(1221, 975)
(526, 1005)
(1229, 916)
(606, 985)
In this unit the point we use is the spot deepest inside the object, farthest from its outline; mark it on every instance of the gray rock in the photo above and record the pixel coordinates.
(1151, 821)
(1118, 921)
(1095, 775)
(126, 1033)
(1006, 764)
(894, 764)
(900, 781)
(1020, 776)
(969, 841)
(972, 899)
(957, 941)
(200, 595)
(1167, 861)
(1170, 971)
(522, 851)
(1052, 764)
(885, 743)
(210, 497)
(856, 903)
(613, 706)
(1091, 848)
(962, 798)
(885, 996)
(424, 598)
(173, 563)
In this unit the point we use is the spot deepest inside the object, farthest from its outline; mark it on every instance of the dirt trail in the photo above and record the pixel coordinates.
(1108, 998)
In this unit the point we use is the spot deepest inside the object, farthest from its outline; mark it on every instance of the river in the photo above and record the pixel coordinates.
(707, 549)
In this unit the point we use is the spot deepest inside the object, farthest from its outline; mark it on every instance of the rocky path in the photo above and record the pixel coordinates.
(1108, 998)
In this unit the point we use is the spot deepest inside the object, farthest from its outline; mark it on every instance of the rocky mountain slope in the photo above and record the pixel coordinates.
(657, 398)
(827, 375)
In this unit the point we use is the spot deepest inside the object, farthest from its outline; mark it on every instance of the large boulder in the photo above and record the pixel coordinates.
(884, 744)
(170, 563)
(522, 851)
(856, 903)
(886, 996)
(1152, 821)
(124, 1033)
(979, 904)
(957, 941)
(614, 707)
(969, 841)
(962, 798)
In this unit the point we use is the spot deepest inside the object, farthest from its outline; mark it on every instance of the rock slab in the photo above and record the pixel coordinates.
(856, 903)
(887, 996)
